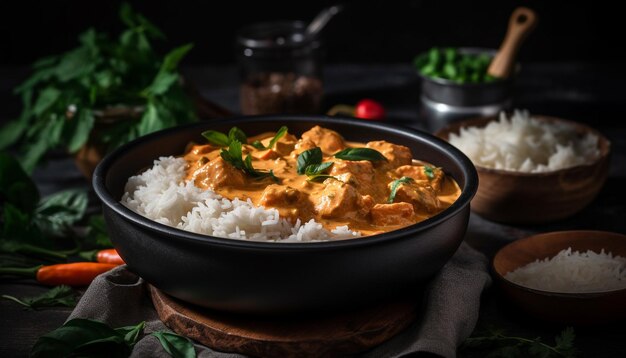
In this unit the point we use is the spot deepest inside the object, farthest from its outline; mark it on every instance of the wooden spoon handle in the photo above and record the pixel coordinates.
(522, 22)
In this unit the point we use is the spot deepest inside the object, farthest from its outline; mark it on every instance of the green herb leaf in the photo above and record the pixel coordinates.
(135, 20)
(234, 156)
(131, 333)
(18, 230)
(53, 128)
(166, 78)
(395, 185)
(249, 169)
(59, 296)
(258, 145)
(281, 133)
(429, 172)
(161, 83)
(127, 15)
(46, 99)
(11, 133)
(316, 169)
(222, 140)
(309, 157)
(56, 213)
(99, 73)
(16, 187)
(217, 138)
(565, 342)
(83, 337)
(318, 178)
(497, 344)
(236, 153)
(151, 120)
(75, 63)
(177, 346)
(360, 154)
(84, 121)
(97, 235)
(237, 134)
(171, 60)
(450, 64)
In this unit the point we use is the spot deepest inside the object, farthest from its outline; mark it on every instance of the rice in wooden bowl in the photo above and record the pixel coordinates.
(575, 277)
(532, 169)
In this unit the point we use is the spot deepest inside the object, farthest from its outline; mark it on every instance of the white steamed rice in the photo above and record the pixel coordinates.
(525, 144)
(573, 272)
(161, 194)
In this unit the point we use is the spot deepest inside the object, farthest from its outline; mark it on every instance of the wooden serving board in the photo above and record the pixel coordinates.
(320, 336)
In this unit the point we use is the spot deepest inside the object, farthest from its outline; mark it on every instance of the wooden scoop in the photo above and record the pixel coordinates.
(522, 22)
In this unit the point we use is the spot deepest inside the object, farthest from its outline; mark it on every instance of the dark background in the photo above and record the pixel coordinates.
(367, 32)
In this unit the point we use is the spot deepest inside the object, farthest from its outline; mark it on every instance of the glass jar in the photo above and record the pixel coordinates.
(280, 69)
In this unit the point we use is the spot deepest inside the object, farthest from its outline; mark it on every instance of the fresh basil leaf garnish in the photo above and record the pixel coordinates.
(217, 138)
(360, 154)
(310, 163)
(281, 133)
(395, 185)
(237, 134)
(318, 178)
(429, 172)
(309, 157)
(234, 156)
(316, 169)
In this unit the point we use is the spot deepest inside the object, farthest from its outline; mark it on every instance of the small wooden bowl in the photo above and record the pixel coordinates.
(531, 198)
(571, 308)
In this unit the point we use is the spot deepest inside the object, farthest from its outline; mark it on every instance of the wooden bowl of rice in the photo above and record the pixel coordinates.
(595, 279)
(550, 192)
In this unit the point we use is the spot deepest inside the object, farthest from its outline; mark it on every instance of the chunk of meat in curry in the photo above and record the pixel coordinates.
(356, 194)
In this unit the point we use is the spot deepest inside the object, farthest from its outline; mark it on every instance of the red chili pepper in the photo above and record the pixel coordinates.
(369, 109)
(72, 274)
(109, 256)
(364, 109)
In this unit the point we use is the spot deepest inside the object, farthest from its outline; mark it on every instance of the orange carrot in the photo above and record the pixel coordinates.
(109, 256)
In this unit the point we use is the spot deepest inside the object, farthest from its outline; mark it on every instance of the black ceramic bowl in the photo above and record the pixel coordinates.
(269, 278)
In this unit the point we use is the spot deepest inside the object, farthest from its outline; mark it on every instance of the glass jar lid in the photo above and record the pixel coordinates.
(269, 35)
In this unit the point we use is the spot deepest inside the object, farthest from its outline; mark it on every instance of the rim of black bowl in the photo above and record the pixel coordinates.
(467, 191)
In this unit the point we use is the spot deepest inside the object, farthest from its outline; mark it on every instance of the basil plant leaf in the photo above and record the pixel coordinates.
(360, 154)
(217, 138)
(309, 157)
(177, 346)
(59, 296)
(316, 169)
(83, 337)
(395, 185)
(237, 134)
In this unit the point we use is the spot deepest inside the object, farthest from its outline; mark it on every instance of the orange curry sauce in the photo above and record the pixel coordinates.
(357, 196)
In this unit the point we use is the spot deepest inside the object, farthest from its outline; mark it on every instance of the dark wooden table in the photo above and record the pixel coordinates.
(592, 94)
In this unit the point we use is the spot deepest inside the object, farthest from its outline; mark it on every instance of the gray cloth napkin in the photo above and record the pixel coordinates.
(450, 310)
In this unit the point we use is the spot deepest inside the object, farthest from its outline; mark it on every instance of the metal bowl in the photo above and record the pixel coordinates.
(269, 278)
(444, 101)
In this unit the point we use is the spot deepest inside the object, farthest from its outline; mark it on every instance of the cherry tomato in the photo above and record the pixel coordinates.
(369, 109)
